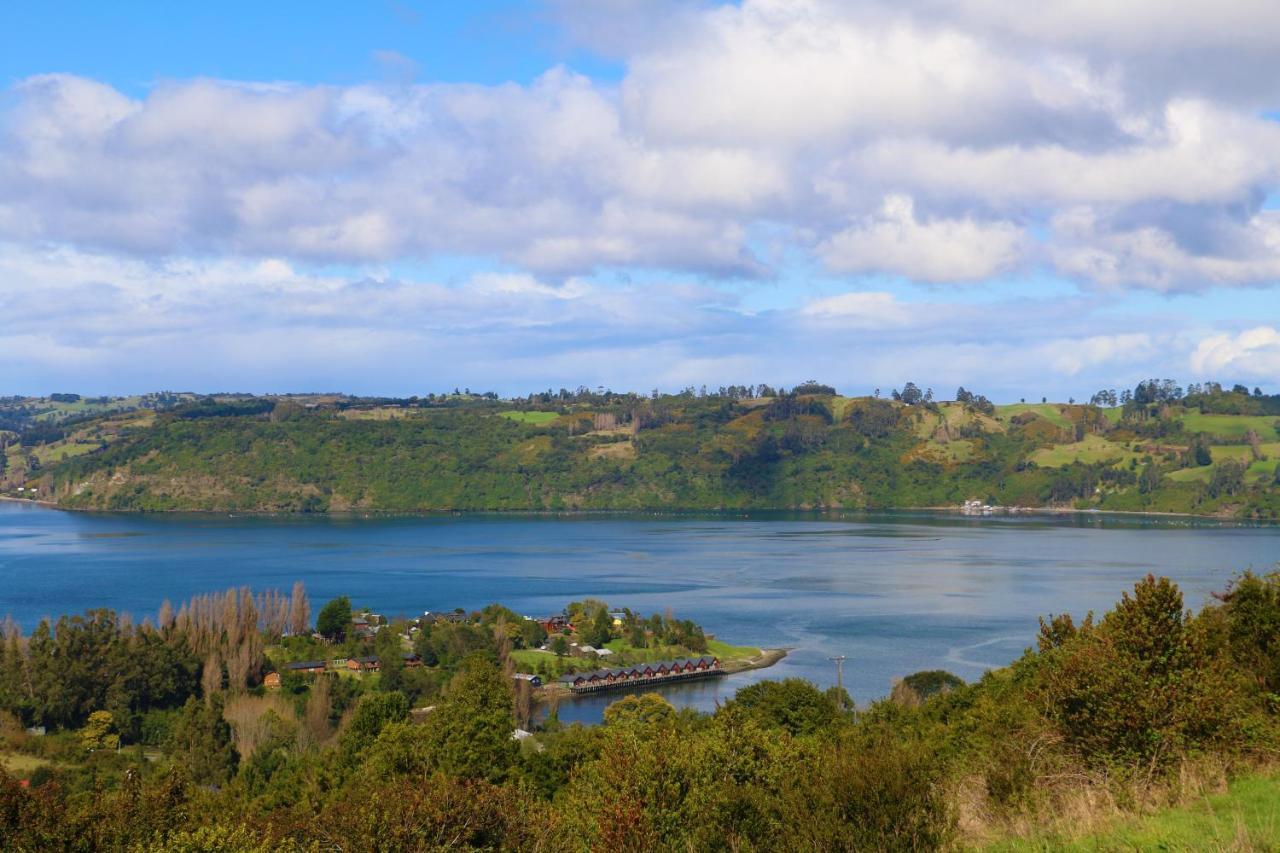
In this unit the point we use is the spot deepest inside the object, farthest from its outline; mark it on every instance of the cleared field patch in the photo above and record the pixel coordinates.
(613, 450)
(1091, 449)
(378, 413)
(1191, 475)
(1231, 426)
(1049, 411)
(534, 418)
(1262, 472)
(1234, 452)
(58, 452)
(839, 405)
(961, 450)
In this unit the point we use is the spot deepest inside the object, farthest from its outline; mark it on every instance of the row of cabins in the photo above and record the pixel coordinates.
(643, 673)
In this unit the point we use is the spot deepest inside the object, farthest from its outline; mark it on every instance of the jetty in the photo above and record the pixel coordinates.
(643, 674)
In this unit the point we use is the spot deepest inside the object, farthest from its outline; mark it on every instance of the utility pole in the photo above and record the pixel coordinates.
(839, 659)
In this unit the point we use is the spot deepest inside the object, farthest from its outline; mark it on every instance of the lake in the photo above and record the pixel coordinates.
(894, 592)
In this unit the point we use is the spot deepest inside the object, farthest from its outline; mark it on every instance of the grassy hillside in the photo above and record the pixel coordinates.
(625, 452)
(1245, 817)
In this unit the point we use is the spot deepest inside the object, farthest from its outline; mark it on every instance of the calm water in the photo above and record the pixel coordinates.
(895, 593)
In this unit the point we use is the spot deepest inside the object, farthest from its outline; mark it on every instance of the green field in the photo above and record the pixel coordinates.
(534, 418)
(1230, 426)
(1092, 448)
(1191, 475)
(1246, 817)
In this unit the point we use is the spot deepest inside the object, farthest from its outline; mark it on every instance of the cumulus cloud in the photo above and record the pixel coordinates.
(1251, 353)
(939, 250)
(1114, 252)
(108, 323)
(795, 116)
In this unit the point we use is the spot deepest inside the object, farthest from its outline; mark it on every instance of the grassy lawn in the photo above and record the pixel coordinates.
(1092, 448)
(724, 651)
(1230, 426)
(1048, 411)
(535, 418)
(19, 764)
(1246, 817)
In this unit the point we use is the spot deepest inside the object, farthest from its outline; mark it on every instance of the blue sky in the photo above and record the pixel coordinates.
(403, 197)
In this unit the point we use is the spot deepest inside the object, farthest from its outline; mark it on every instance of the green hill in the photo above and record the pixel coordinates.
(628, 452)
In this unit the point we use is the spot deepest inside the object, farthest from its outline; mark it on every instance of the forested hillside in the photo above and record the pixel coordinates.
(1205, 450)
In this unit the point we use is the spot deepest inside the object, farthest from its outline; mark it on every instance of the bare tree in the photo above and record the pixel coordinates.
(299, 609)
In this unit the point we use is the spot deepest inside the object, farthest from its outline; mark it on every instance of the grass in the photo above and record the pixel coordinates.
(1049, 411)
(1245, 818)
(57, 452)
(1230, 426)
(724, 651)
(534, 418)
(1191, 475)
(1092, 448)
(20, 765)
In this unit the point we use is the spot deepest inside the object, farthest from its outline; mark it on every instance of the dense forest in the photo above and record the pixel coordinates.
(163, 735)
(1205, 449)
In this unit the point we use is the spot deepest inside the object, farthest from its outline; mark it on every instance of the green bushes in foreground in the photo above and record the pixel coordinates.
(1128, 711)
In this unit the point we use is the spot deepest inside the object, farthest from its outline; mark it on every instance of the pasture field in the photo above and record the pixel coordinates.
(534, 418)
(1191, 475)
(1231, 426)
(57, 452)
(1092, 448)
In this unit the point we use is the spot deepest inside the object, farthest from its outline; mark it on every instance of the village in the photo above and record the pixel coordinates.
(585, 649)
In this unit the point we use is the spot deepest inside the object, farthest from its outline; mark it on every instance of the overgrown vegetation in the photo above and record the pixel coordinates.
(1146, 706)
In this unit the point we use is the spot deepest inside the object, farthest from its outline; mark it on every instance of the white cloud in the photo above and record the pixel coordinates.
(1072, 356)
(921, 139)
(1254, 353)
(896, 241)
(859, 310)
(1116, 254)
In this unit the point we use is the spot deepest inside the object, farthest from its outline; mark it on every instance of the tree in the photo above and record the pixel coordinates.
(793, 703)
(100, 732)
(646, 709)
(601, 630)
(203, 738)
(299, 610)
(560, 645)
(335, 619)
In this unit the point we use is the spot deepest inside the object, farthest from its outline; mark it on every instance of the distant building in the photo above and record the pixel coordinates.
(311, 666)
(534, 680)
(271, 681)
(369, 663)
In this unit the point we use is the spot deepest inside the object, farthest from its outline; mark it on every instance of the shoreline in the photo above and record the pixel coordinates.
(556, 693)
(952, 509)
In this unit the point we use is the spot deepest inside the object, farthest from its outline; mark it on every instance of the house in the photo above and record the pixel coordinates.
(533, 680)
(271, 681)
(411, 659)
(554, 624)
(311, 666)
(618, 617)
(369, 663)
